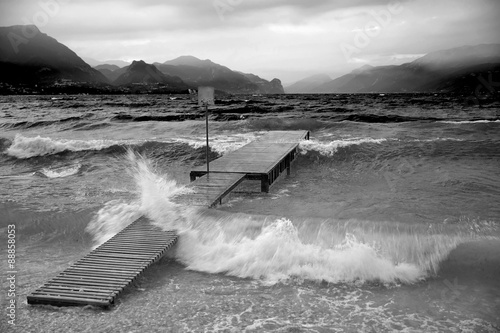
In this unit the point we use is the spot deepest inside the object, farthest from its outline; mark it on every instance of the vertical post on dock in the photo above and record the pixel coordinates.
(206, 98)
(207, 150)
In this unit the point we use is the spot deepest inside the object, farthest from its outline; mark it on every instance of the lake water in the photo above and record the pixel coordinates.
(389, 221)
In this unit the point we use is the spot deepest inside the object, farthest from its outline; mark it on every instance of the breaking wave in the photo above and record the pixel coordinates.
(26, 147)
(330, 147)
(276, 249)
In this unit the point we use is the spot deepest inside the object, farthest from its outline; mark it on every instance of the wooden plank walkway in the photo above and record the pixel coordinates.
(263, 159)
(100, 277)
(210, 189)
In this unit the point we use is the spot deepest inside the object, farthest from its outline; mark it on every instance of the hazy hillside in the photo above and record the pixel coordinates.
(40, 58)
(308, 84)
(453, 70)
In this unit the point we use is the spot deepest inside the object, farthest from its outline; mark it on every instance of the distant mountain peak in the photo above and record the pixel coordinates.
(95, 63)
(188, 60)
(140, 72)
(363, 68)
(138, 64)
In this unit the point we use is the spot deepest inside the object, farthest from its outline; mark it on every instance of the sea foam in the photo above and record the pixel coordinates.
(61, 172)
(277, 254)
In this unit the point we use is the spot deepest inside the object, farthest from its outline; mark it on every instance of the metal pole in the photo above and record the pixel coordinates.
(206, 123)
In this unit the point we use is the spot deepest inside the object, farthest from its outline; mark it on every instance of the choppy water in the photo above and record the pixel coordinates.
(388, 222)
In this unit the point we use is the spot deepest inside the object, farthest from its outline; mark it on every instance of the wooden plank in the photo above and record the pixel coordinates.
(123, 264)
(111, 268)
(118, 284)
(141, 237)
(156, 235)
(114, 249)
(74, 295)
(136, 242)
(80, 293)
(60, 300)
(117, 259)
(95, 258)
(83, 291)
(119, 255)
(78, 275)
(98, 272)
(78, 287)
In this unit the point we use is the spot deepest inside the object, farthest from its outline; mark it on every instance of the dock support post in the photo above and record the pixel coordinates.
(288, 165)
(264, 183)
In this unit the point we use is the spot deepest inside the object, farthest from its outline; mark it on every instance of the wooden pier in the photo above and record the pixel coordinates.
(263, 159)
(210, 189)
(100, 277)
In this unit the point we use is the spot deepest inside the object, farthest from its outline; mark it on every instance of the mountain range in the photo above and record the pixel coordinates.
(195, 72)
(454, 70)
(28, 56)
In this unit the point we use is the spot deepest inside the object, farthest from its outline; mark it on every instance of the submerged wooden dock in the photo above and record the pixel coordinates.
(209, 190)
(99, 277)
(264, 159)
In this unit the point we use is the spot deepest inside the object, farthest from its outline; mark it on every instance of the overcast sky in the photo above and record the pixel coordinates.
(288, 39)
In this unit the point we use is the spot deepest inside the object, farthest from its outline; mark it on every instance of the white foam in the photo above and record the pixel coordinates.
(277, 254)
(458, 122)
(26, 147)
(330, 148)
(61, 172)
(437, 140)
(155, 192)
(221, 144)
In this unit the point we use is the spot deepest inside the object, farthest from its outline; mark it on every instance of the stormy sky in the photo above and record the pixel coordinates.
(288, 39)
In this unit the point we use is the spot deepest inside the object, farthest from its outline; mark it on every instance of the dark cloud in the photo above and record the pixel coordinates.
(264, 35)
